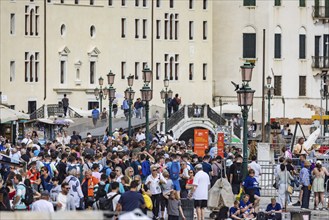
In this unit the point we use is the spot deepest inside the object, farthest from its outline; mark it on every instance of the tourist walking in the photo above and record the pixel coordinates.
(95, 115)
(43, 204)
(319, 174)
(131, 199)
(305, 181)
(283, 180)
(65, 103)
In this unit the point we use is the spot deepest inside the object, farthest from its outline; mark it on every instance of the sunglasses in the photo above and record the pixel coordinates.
(154, 170)
(68, 188)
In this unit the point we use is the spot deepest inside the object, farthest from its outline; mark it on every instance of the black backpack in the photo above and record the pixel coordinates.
(237, 174)
(106, 203)
(28, 198)
(100, 192)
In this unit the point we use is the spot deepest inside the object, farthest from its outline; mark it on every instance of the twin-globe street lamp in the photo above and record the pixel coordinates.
(245, 97)
(269, 90)
(165, 95)
(101, 94)
(129, 96)
(147, 95)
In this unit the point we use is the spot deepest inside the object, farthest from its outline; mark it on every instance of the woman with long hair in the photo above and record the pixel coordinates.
(284, 179)
(318, 184)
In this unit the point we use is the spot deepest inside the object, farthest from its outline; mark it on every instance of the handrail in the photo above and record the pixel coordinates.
(321, 62)
(215, 117)
(175, 118)
(39, 113)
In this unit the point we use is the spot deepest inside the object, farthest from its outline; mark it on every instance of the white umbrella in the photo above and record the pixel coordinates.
(6, 115)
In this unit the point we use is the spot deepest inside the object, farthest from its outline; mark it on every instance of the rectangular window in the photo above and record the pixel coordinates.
(26, 68)
(92, 72)
(26, 23)
(158, 3)
(176, 70)
(191, 30)
(12, 70)
(144, 65)
(277, 85)
(302, 46)
(277, 2)
(76, 2)
(158, 29)
(171, 3)
(123, 2)
(136, 28)
(145, 3)
(166, 29)
(144, 28)
(136, 69)
(123, 70)
(249, 2)
(176, 29)
(277, 46)
(249, 45)
(91, 2)
(205, 30)
(166, 70)
(190, 4)
(136, 3)
(157, 71)
(63, 70)
(12, 23)
(204, 71)
(123, 27)
(36, 25)
(302, 3)
(205, 4)
(110, 2)
(62, 1)
(191, 71)
(302, 85)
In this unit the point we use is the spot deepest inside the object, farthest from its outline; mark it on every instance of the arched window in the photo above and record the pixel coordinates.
(31, 67)
(31, 21)
(249, 42)
(171, 23)
(171, 68)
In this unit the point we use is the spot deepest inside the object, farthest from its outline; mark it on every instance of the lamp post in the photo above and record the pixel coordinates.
(245, 97)
(165, 95)
(147, 95)
(324, 96)
(129, 96)
(111, 93)
(269, 90)
(100, 93)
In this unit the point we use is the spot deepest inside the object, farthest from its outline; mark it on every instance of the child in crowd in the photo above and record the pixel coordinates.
(234, 212)
(174, 206)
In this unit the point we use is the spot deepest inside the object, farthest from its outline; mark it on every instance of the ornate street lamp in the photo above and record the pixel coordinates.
(147, 95)
(111, 93)
(129, 96)
(269, 90)
(245, 97)
(165, 95)
(100, 93)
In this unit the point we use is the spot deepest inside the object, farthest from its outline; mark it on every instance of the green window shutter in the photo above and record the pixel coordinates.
(277, 2)
(302, 3)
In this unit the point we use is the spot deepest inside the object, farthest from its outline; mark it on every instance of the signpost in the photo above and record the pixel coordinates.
(200, 141)
(220, 144)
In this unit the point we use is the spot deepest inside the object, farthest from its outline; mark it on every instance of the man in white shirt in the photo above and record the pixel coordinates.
(201, 185)
(65, 201)
(140, 136)
(66, 138)
(256, 167)
(43, 204)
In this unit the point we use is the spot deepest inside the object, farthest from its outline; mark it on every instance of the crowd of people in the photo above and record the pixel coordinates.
(120, 173)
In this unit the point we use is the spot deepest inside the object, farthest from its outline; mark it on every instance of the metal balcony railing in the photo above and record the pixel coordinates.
(320, 62)
(321, 12)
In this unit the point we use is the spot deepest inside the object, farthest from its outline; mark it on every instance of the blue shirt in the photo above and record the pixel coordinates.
(304, 177)
(212, 152)
(95, 113)
(206, 167)
(243, 204)
(270, 207)
(131, 200)
(125, 105)
(250, 183)
(233, 210)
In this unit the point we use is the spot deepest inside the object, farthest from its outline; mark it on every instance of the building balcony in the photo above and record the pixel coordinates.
(321, 13)
(320, 62)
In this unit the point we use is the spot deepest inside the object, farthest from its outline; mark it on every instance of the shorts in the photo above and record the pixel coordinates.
(176, 185)
(235, 189)
(200, 203)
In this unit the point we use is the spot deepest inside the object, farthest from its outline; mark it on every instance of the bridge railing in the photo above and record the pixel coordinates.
(176, 117)
(215, 117)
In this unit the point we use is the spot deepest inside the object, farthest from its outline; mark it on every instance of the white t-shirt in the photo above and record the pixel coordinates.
(66, 140)
(140, 136)
(201, 182)
(154, 185)
(115, 200)
(61, 198)
(256, 167)
(42, 206)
